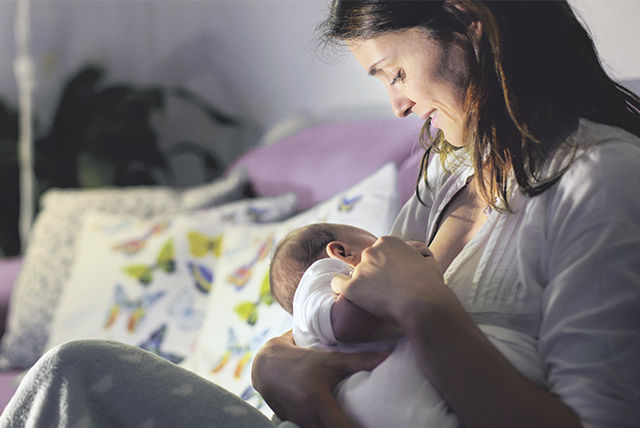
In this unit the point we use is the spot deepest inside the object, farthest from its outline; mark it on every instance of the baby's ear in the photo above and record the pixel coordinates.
(337, 250)
(342, 251)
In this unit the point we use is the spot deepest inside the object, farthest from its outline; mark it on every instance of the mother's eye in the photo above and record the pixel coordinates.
(400, 76)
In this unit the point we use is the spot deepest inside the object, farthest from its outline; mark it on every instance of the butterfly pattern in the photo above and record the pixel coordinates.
(202, 276)
(242, 352)
(200, 244)
(137, 308)
(183, 308)
(154, 342)
(241, 276)
(114, 228)
(165, 261)
(248, 311)
(133, 246)
(346, 203)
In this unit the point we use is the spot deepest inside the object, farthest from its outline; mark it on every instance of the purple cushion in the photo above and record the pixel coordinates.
(408, 172)
(9, 269)
(322, 160)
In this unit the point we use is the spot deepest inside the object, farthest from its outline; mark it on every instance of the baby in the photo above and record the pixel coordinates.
(396, 392)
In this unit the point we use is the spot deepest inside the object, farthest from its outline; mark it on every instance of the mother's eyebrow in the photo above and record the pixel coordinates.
(373, 69)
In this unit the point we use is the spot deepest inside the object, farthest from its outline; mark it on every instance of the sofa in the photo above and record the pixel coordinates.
(182, 272)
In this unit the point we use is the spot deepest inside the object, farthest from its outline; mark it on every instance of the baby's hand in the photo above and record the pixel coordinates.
(421, 247)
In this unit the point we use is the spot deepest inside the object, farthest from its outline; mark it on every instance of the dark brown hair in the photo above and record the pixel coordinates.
(534, 73)
(293, 256)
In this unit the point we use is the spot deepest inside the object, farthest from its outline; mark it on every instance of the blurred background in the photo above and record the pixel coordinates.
(129, 92)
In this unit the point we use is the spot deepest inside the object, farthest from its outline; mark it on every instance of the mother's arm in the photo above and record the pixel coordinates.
(590, 332)
(298, 383)
(481, 386)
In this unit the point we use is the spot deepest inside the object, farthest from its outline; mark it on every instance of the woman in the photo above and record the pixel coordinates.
(526, 205)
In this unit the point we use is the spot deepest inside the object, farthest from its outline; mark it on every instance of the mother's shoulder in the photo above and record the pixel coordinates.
(604, 150)
(603, 172)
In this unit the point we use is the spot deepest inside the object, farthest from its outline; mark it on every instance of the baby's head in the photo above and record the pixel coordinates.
(304, 246)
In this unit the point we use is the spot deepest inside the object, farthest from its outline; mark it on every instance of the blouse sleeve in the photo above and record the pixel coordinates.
(590, 331)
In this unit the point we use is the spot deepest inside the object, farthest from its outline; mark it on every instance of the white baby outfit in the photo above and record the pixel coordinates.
(395, 393)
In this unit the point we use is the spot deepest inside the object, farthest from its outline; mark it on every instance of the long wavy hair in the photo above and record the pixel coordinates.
(534, 72)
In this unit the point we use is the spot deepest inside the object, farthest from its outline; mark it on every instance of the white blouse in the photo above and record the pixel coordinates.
(564, 267)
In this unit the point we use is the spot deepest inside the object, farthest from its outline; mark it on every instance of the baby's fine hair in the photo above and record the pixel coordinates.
(293, 256)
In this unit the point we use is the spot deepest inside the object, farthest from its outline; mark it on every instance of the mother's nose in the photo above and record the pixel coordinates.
(400, 104)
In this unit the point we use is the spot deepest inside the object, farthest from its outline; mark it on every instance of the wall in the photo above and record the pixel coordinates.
(253, 58)
(614, 27)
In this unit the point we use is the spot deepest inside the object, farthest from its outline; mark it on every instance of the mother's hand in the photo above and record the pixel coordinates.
(393, 279)
(298, 383)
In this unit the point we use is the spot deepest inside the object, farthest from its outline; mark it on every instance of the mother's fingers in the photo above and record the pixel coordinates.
(331, 415)
(339, 283)
(421, 247)
(319, 407)
(297, 383)
(328, 415)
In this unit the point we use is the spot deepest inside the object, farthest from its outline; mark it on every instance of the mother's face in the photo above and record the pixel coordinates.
(421, 77)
